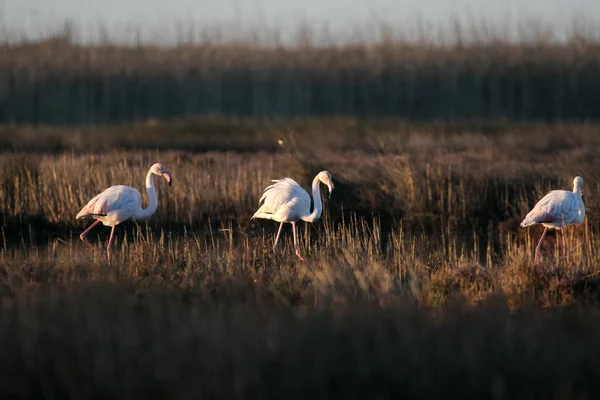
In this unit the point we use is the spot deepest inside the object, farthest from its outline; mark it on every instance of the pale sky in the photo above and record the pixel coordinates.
(155, 17)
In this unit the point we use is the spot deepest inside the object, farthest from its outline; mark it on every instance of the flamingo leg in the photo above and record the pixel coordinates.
(277, 237)
(296, 242)
(83, 236)
(539, 246)
(112, 234)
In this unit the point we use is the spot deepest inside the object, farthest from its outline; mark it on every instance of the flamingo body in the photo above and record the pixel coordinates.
(120, 203)
(286, 201)
(557, 210)
(113, 206)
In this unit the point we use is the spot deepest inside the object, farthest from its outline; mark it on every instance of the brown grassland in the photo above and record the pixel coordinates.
(417, 281)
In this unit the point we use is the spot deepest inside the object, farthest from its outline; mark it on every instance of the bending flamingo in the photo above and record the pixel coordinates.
(556, 210)
(286, 201)
(120, 203)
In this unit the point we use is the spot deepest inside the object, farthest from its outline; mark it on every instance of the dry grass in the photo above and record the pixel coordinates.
(345, 263)
(438, 209)
(416, 269)
(431, 176)
(177, 317)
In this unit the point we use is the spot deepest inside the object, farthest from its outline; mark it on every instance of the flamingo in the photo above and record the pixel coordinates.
(557, 210)
(286, 201)
(120, 203)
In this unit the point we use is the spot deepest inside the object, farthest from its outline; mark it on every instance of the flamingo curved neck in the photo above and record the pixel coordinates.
(144, 213)
(318, 204)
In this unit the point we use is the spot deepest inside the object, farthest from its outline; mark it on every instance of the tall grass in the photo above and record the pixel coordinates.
(420, 174)
(472, 75)
(348, 262)
(417, 281)
(411, 206)
(219, 314)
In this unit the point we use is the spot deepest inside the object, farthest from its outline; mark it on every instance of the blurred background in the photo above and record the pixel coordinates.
(118, 61)
(342, 18)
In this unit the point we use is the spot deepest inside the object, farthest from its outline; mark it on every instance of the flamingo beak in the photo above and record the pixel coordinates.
(168, 177)
(331, 187)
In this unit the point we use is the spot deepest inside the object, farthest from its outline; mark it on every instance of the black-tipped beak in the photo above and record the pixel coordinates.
(168, 178)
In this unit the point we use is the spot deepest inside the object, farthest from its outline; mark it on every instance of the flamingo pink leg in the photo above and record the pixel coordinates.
(296, 242)
(112, 234)
(84, 234)
(539, 246)
(277, 237)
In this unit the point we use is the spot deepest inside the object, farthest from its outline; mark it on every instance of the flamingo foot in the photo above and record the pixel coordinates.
(83, 237)
(88, 244)
(299, 256)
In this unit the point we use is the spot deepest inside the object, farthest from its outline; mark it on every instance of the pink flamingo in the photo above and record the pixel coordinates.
(286, 201)
(120, 203)
(557, 210)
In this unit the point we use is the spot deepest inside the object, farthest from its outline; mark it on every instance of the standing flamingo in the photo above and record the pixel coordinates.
(556, 210)
(286, 201)
(120, 203)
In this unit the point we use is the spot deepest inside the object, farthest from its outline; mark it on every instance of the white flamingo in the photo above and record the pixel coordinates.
(557, 210)
(120, 203)
(286, 201)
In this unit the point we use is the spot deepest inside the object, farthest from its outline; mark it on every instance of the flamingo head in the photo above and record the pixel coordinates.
(160, 170)
(325, 177)
(578, 185)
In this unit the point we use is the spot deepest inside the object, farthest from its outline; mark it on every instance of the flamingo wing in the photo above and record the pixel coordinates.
(559, 207)
(116, 203)
(283, 200)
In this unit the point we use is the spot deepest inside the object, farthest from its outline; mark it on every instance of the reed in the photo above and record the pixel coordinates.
(473, 73)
